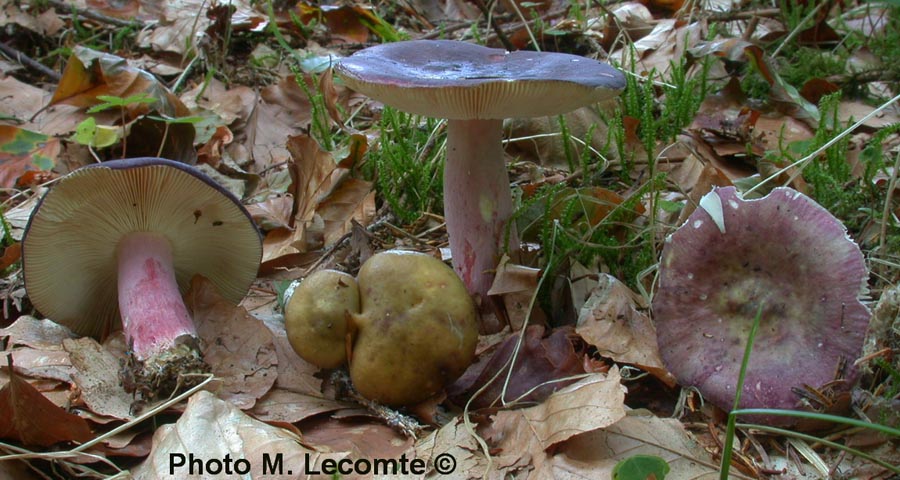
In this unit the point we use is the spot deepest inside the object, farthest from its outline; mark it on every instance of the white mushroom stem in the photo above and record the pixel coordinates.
(153, 312)
(477, 201)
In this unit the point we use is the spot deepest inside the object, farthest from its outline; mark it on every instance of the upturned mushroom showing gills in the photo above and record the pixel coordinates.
(475, 88)
(782, 256)
(118, 242)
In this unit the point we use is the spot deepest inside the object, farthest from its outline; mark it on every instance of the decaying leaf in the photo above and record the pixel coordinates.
(214, 429)
(27, 416)
(237, 346)
(90, 73)
(527, 437)
(362, 435)
(326, 200)
(610, 320)
(22, 151)
(542, 366)
(594, 454)
(97, 377)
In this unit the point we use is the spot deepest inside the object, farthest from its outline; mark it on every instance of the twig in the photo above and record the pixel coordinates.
(29, 62)
(530, 23)
(498, 30)
(865, 76)
(95, 16)
(744, 15)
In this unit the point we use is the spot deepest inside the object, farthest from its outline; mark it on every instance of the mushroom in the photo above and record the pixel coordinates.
(784, 256)
(475, 88)
(315, 317)
(412, 325)
(121, 240)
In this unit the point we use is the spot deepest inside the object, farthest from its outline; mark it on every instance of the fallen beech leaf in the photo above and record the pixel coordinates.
(31, 332)
(285, 406)
(90, 73)
(29, 417)
(516, 284)
(213, 430)
(272, 213)
(610, 320)
(540, 365)
(236, 345)
(346, 23)
(456, 440)
(22, 151)
(595, 454)
(97, 376)
(352, 200)
(20, 100)
(363, 436)
(294, 373)
(50, 363)
(528, 436)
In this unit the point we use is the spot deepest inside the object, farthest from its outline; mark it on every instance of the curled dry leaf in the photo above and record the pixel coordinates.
(540, 367)
(35, 346)
(294, 373)
(280, 405)
(31, 332)
(612, 322)
(238, 347)
(363, 436)
(97, 377)
(594, 454)
(211, 429)
(528, 436)
(456, 440)
(27, 416)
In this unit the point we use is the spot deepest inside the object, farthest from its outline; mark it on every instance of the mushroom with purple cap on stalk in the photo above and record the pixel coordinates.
(118, 242)
(475, 88)
(783, 256)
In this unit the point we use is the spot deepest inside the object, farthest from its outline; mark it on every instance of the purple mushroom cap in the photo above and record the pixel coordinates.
(785, 254)
(475, 88)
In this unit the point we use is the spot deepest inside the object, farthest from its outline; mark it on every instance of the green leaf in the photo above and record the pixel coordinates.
(641, 467)
(670, 206)
(112, 101)
(97, 136)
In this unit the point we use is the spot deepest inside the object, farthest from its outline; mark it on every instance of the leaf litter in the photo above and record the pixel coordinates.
(576, 413)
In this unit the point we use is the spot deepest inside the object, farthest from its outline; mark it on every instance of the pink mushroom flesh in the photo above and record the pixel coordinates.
(153, 312)
(784, 254)
(477, 200)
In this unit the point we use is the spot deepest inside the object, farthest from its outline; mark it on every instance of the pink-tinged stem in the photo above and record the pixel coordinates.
(153, 313)
(477, 201)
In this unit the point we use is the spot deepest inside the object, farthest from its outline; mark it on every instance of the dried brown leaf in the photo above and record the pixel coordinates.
(237, 346)
(97, 377)
(611, 321)
(594, 454)
(211, 429)
(543, 365)
(527, 436)
(29, 417)
(31, 332)
(294, 374)
(363, 436)
(285, 406)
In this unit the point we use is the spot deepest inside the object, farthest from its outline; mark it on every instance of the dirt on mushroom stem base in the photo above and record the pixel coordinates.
(477, 202)
(158, 328)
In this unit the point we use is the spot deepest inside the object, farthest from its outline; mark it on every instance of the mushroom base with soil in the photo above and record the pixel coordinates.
(159, 330)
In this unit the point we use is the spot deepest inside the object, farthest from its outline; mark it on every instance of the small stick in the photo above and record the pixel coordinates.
(29, 62)
(97, 17)
(498, 30)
